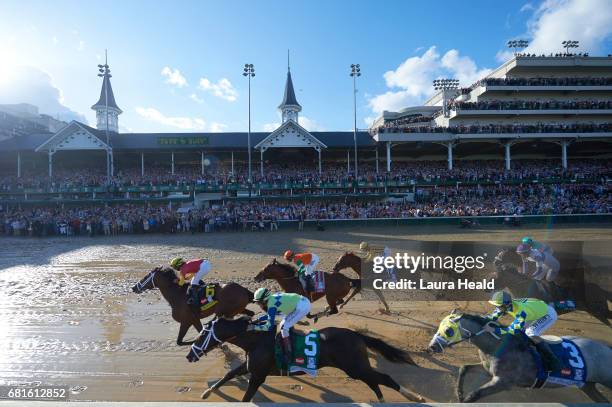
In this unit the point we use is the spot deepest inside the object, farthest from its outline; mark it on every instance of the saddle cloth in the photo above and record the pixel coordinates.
(305, 355)
(316, 282)
(575, 371)
(206, 296)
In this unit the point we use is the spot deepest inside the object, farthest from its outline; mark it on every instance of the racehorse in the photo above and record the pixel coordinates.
(352, 261)
(337, 285)
(594, 297)
(232, 299)
(510, 362)
(342, 348)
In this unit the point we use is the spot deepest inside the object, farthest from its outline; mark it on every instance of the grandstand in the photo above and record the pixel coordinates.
(533, 137)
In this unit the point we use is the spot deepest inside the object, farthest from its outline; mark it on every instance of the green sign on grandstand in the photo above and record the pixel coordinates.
(182, 141)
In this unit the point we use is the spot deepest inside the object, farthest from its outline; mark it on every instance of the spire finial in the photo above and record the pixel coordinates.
(288, 64)
(105, 56)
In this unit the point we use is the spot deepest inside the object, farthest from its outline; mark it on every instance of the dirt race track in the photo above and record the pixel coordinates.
(68, 317)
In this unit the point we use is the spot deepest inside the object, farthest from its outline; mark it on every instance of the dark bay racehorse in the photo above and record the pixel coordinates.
(510, 363)
(337, 286)
(232, 300)
(352, 261)
(341, 348)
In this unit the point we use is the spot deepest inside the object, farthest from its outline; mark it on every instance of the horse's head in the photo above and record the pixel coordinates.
(275, 271)
(348, 259)
(215, 333)
(153, 279)
(505, 262)
(455, 328)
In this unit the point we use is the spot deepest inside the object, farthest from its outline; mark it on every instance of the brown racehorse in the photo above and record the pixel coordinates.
(351, 260)
(337, 285)
(232, 299)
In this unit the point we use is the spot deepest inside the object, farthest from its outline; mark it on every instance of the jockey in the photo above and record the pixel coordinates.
(306, 265)
(532, 317)
(546, 264)
(373, 251)
(292, 307)
(541, 247)
(195, 269)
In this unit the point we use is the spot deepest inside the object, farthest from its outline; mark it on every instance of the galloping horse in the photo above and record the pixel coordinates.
(335, 344)
(352, 261)
(232, 299)
(337, 285)
(510, 362)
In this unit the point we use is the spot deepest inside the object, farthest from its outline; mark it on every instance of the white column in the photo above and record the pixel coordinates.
(377, 159)
(112, 164)
(564, 154)
(142, 164)
(450, 155)
(172, 154)
(18, 164)
(388, 156)
(507, 146)
(232, 163)
(320, 167)
(261, 162)
(50, 163)
(202, 162)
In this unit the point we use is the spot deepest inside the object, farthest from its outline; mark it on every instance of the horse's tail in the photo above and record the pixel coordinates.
(391, 353)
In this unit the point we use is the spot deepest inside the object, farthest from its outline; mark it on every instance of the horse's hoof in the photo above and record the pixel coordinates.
(206, 393)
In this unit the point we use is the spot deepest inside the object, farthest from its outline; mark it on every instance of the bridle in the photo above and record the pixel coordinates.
(198, 350)
(443, 343)
(140, 286)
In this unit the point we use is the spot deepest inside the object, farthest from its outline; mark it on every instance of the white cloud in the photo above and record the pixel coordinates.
(588, 21)
(222, 89)
(309, 124)
(81, 46)
(183, 123)
(27, 84)
(196, 99)
(217, 127)
(270, 127)
(411, 82)
(174, 77)
(526, 7)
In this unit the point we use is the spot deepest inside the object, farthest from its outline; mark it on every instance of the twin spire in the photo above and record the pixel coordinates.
(289, 107)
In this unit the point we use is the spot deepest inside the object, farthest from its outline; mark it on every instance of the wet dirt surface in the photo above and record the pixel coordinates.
(68, 316)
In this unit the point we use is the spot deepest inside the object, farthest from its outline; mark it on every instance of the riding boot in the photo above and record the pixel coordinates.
(192, 296)
(287, 352)
(551, 362)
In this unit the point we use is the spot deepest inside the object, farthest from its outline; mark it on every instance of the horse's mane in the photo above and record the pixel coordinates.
(287, 267)
(479, 319)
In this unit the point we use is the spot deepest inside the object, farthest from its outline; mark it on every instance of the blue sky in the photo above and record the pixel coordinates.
(177, 65)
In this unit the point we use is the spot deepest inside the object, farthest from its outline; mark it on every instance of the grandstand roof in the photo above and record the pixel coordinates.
(151, 141)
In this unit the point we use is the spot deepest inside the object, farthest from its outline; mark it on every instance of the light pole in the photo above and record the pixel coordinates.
(249, 72)
(444, 85)
(517, 44)
(569, 44)
(355, 72)
(104, 73)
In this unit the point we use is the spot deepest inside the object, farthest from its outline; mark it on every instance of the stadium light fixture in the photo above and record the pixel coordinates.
(570, 44)
(249, 72)
(517, 45)
(355, 72)
(445, 85)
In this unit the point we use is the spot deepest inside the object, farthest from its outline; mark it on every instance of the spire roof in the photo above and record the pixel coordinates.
(289, 97)
(101, 103)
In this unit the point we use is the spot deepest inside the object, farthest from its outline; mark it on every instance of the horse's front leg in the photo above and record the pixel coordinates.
(239, 371)
(382, 299)
(254, 382)
(462, 371)
(496, 384)
(182, 332)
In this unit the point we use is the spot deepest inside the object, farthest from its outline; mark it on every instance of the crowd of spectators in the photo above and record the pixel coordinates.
(495, 128)
(521, 81)
(480, 170)
(525, 199)
(530, 104)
